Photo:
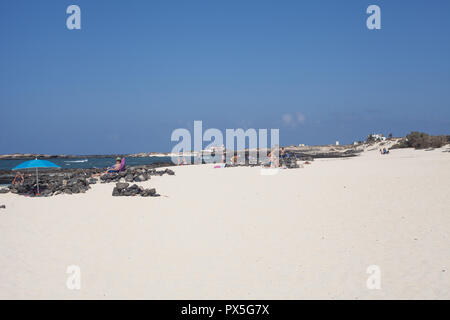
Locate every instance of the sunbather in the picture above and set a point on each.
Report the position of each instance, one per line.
(18, 179)
(115, 168)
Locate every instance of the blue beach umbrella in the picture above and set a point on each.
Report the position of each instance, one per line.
(36, 164)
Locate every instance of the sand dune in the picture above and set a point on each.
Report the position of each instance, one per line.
(234, 233)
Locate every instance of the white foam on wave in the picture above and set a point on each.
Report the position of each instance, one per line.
(77, 161)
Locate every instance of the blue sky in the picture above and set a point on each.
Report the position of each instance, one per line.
(139, 69)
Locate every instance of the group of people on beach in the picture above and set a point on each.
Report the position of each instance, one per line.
(272, 156)
(119, 166)
(275, 157)
(274, 160)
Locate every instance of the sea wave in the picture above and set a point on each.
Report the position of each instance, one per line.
(77, 161)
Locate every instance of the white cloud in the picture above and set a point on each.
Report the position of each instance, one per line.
(293, 119)
(300, 118)
(287, 119)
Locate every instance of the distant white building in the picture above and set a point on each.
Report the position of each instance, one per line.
(378, 137)
(217, 149)
(337, 143)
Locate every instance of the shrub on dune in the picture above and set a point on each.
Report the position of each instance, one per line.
(421, 140)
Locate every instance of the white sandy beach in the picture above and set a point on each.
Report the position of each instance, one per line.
(236, 234)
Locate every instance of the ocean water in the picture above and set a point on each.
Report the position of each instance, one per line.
(83, 163)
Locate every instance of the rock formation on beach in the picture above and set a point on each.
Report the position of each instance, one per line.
(308, 153)
(79, 181)
(134, 175)
(6, 176)
(123, 189)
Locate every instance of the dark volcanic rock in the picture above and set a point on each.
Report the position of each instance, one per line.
(134, 190)
(2, 206)
(115, 192)
(72, 181)
(120, 186)
(110, 177)
(148, 192)
(46, 193)
(170, 172)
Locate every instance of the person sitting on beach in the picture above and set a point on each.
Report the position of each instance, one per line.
(273, 156)
(18, 179)
(234, 159)
(283, 156)
(182, 162)
(115, 168)
(269, 157)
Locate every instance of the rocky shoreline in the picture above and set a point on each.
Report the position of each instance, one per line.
(301, 155)
(6, 176)
(328, 151)
(73, 181)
